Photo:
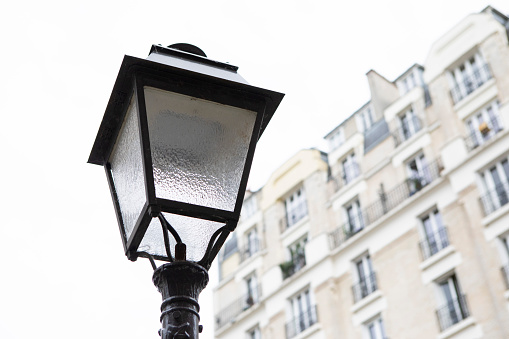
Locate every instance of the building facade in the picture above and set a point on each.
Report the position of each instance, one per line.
(402, 229)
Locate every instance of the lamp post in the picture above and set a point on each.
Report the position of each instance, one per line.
(177, 140)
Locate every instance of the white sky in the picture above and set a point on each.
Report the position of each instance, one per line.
(63, 271)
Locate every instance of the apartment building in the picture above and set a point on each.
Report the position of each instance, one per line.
(402, 229)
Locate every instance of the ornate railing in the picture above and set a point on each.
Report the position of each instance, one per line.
(495, 198)
(482, 136)
(292, 266)
(301, 322)
(390, 200)
(346, 175)
(405, 132)
(434, 243)
(229, 313)
(470, 83)
(250, 249)
(364, 287)
(453, 312)
(346, 231)
(298, 213)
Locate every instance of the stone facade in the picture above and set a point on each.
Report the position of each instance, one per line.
(402, 229)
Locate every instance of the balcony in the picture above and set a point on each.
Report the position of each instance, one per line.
(408, 129)
(251, 249)
(505, 275)
(364, 287)
(292, 217)
(232, 311)
(495, 199)
(434, 243)
(389, 200)
(292, 266)
(485, 133)
(346, 231)
(347, 175)
(470, 83)
(453, 312)
(301, 322)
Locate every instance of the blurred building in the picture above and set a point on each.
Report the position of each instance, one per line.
(402, 230)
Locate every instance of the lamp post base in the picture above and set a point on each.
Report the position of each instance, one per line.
(180, 284)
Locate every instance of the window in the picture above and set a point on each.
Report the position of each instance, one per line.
(337, 139)
(296, 207)
(366, 278)
(467, 77)
(303, 314)
(483, 125)
(375, 329)
(254, 333)
(495, 186)
(249, 207)
(252, 294)
(453, 306)
(406, 84)
(418, 174)
(252, 244)
(435, 234)
(409, 125)
(364, 119)
(297, 258)
(354, 220)
(350, 168)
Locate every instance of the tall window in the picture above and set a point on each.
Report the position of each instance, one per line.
(495, 182)
(303, 314)
(409, 124)
(435, 234)
(364, 119)
(354, 220)
(366, 278)
(376, 329)
(453, 306)
(296, 207)
(350, 168)
(254, 333)
(337, 138)
(406, 84)
(249, 207)
(418, 173)
(252, 291)
(505, 259)
(252, 245)
(483, 125)
(468, 76)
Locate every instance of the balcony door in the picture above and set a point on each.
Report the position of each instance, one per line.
(418, 173)
(496, 184)
(434, 232)
(365, 275)
(354, 220)
(301, 311)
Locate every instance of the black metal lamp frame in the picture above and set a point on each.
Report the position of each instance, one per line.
(179, 281)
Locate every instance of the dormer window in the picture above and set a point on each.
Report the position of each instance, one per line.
(467, 77)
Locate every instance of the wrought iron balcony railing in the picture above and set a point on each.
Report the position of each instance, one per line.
(301, 322)
(229, 313)
(408, 129)
(495, 198)
(347, 175)
(470, 83)
(389, 200)
(453, 312)
(364, 287)
(484, 134)
(292, 266)
(249, 250)
(434, 243)
(292, 217)
(505, 275)
(346, 231)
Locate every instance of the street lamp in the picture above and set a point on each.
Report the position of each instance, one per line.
(177, 140)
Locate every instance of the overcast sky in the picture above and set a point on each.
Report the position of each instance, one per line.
(63, 271)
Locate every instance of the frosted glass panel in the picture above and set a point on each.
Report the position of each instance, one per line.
(199, 148)
(195, 233)
(127, 169)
